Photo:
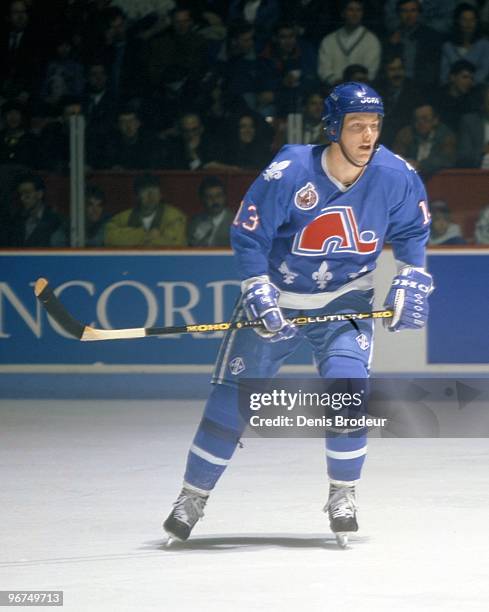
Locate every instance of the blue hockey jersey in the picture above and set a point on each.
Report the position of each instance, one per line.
(310, 234)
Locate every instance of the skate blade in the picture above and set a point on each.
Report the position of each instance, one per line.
(342, 539)
(172, 540)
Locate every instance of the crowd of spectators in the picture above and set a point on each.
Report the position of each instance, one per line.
(151, 222)
(209, 85)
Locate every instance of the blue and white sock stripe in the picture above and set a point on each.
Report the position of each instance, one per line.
(209, 457)
(342, 455)
(345, 464)
(201, 473)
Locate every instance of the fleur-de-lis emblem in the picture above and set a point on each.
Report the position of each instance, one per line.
(322, 276)
(289, 276)
(275, 170)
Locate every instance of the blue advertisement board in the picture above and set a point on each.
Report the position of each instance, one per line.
(114, 290)
(458, 330)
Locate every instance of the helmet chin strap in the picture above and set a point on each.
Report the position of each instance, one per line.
(351, 160)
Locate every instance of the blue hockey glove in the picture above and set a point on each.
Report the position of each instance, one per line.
(408, 297)
(260, 301)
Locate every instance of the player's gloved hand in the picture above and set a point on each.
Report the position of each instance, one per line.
(408, 297)
(260, 301)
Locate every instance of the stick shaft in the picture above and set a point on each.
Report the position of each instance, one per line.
(64, 319)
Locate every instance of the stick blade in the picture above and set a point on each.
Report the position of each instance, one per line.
(40, 285)
(56, 310)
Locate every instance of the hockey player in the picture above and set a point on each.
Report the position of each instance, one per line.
(306, 240)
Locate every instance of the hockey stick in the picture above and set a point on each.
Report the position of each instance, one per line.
(82, 332)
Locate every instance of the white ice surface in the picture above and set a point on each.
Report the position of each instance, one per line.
(85, 486)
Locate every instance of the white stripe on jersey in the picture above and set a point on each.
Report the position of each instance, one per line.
(306, 301)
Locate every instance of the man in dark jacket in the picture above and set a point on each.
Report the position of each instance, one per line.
(36, 224)
(21, 51)
(428, 145)
(458, 96)
(131, 147)
(17, 145)
(210, 228)
(400, 96)
(420, 45)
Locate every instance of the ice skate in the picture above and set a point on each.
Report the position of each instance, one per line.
(341, 508)
(187, 510)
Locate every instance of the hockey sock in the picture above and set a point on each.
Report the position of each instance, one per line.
(345, 453)
(216, 438)
(345, 456)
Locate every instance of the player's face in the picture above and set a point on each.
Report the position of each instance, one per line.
(359, 135)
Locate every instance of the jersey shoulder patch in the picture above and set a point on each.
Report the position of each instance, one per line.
(275, 170)
(289, 156)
